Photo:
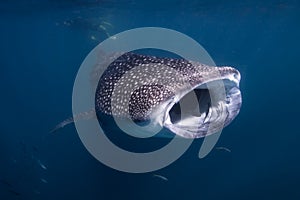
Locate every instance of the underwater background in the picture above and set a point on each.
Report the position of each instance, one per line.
(43, 44)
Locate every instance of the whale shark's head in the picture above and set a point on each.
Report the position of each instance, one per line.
(189, 98)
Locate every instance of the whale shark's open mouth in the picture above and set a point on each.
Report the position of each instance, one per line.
(204, 117)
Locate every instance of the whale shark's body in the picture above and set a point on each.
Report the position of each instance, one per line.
(183, 96)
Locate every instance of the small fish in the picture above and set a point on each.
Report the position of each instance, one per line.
(107, 34)
(102, 27)
(161, 177)
(44, 180)
(223, 148)
(93, 37)
(107, 23)
(42, 165)
(67, 23)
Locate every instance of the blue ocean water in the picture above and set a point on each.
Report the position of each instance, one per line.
(43, 44)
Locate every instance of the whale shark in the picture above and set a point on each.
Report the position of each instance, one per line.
(190, 99)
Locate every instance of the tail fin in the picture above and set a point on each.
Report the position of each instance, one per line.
(81, 116)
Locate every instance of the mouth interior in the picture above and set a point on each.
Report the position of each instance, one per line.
(196, 115)
(204, 103)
